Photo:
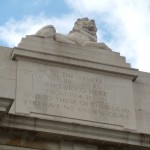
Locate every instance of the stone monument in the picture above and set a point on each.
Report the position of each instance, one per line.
(70, 92)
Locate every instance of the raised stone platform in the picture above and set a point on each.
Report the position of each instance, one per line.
(83, 90)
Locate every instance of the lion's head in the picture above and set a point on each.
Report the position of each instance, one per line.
(86, 26)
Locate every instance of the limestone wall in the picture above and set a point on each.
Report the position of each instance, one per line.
(141, 88)
(81, 110)
(57, 87)
(7, 74)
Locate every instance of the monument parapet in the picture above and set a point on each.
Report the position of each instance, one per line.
(76, 88)
(74, 77)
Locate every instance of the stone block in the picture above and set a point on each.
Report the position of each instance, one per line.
(74, 94)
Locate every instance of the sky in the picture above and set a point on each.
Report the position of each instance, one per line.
(123, 25)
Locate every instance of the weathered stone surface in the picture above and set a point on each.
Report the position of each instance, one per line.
(44, 134)
(75, 94)
(72, 51)
(142, 101)
(7, 79)
(71, 93)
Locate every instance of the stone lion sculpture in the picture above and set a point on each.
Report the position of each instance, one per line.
(82, 34)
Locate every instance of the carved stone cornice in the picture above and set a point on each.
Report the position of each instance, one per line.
(95, 59)
(73, 131)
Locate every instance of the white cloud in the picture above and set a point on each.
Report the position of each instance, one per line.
(123, 25)
(127, 21)
(14, 30)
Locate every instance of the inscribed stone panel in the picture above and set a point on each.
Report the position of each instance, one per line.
(75, 94)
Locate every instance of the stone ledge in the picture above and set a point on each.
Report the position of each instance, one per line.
(74, 131)
(48, 57)
(99, 55)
